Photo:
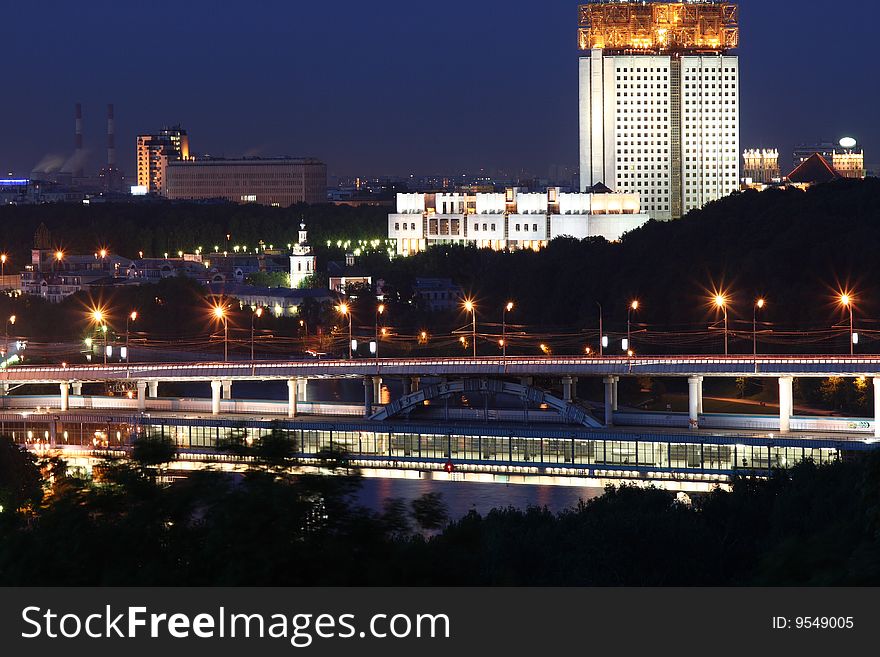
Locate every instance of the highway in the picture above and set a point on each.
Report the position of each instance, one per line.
(657, 366)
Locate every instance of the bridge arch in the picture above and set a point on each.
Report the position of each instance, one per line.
(568, 411)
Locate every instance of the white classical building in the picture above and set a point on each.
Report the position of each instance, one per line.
(512, 220)
(659, 102)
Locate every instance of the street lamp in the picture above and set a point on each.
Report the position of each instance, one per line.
(221, 315)
(345, 311)
(846, 300)
(634, 305)
(379, 310)
(759, 305)
(98, 317)
(257, 313)
(3, 259)
(507, 308)
(601, 337)
(133, 315)
(472, 309)
(9, 321)
(721, 302)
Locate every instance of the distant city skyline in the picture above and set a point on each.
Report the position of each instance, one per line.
(390, 88)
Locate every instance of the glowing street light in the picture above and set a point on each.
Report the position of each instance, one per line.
(257, 313)
(99, 318)
(721, 303)
(846, 300)
(507, 308)
(472, 309)
(133, 315)
(344, 310)
(220, 314)
(634, 305)
(3, 259)
(379, 310)
(9, 321)
(759, 305)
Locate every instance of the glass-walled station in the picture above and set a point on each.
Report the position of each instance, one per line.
(468, 447)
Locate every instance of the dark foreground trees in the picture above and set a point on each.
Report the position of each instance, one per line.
(808, 526)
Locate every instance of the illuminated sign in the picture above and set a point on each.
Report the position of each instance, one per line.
(138, 190)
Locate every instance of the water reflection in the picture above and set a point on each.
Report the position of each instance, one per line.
(461, 497)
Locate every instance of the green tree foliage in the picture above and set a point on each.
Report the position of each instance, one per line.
(21, 484)
(150, 450)
(268, 279)
(811, 525)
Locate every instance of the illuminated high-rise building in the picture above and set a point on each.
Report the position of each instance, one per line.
(155, 151)
(659, 101)
(761, 165)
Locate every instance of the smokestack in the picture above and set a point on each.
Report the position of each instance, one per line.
(78, 126)
(111, 138)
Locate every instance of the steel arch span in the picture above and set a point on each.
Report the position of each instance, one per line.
(568, 411)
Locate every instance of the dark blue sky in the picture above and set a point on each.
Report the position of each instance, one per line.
(390, 86)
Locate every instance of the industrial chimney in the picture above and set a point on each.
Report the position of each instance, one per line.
(78, 154)
(111, 138)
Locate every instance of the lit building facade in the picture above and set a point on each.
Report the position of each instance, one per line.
(510, 220)
(279, 182)
(154, 152)
(846, 157)
(302, 260)
(659, 102)
(761, 165)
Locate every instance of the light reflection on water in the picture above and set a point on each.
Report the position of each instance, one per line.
(461, 497)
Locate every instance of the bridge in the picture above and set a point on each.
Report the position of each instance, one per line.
(513, 375)
(679, 459)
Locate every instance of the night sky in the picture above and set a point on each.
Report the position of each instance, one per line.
(390, 87)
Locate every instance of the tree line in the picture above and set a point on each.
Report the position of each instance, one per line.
(130, 525)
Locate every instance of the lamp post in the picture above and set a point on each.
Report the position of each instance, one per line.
(846, 301)
(721, 302)
(257, 313)
(344, 310)
(98, 317)
(133, 315)
(220, 315)
(507, 308)
(9, 321)
(601, 346)
(472, 309)
(3, 259)
(379, 310)
(759, 305)
(634, 305)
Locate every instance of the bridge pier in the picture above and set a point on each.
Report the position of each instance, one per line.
(377, 389)
(368, 396)
(786, 403)
(694, 385)
(566, 388)
(65, 397)
(77, 388)
(227, 388)
(406, 386)
(153, 389)
(614, 392)
(302, 388)
(700, 397)
(292, 392)
(142, 395)
(609, 400)
(877, 407)
(215, 397)
(4, 389)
